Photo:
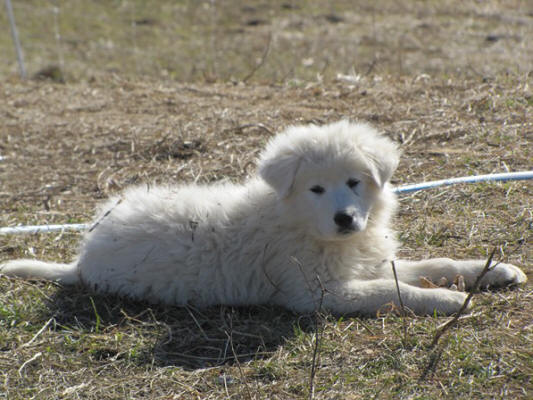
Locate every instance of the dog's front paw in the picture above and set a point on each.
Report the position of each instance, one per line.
(442, 301)
(504, 275)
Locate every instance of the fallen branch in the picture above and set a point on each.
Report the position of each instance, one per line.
(473, 290)
(437, 352)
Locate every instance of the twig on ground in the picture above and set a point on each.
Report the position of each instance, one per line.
(364, 325)
(397, 285)
(38, 333)
(434, 358)
(437, 352)
(404, 313)
(197, 323)
(473, 290)
(246, 126)
(27, 362)
(236, 357)
(318, 335)
(161, 324)
(261, 62)
(96, 315)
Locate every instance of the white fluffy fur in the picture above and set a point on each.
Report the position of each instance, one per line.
(273, 240)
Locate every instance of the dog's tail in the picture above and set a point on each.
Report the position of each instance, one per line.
(63, 273)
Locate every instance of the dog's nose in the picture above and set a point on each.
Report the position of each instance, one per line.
(343, 220)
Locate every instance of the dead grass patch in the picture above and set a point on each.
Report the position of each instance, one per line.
(59, 163)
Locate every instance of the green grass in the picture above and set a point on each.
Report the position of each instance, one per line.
(207, 41)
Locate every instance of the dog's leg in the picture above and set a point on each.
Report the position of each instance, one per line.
(367, 297)
(436, 268)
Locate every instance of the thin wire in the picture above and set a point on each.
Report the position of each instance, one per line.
(15, 36)
(507, 176)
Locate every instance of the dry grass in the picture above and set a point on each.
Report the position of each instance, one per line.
(66, 147)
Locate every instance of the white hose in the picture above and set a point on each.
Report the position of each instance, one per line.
(42, 228)
(508, 176)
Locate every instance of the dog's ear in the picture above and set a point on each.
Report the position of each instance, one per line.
(383, 157)
(382, 168)
(278, 169)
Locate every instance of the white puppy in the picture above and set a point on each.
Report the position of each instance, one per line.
(312, 229)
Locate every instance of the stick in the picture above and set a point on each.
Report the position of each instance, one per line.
(436, 353)
(35, 357)
(318, 335)
(401, 302)
(38, 333)
(261, 62)
(473, 290)
(236, 357)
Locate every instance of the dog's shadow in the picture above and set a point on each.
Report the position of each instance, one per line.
(170, 335)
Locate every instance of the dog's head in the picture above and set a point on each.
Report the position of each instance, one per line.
(331, 176)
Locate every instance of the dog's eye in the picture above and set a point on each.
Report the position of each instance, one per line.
(317, 189)
(352, 183)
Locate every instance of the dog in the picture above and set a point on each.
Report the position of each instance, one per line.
(311, 230)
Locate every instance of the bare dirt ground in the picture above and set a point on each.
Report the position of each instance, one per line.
(454, 91)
